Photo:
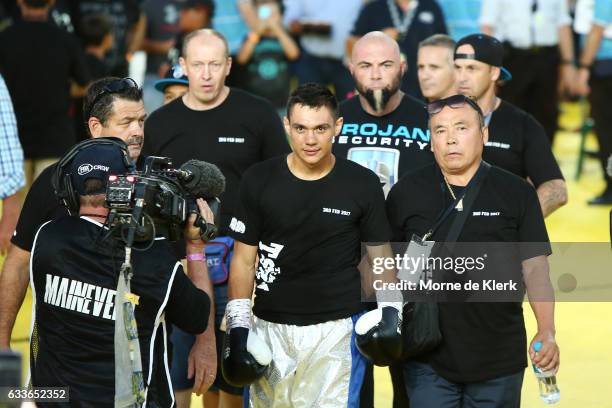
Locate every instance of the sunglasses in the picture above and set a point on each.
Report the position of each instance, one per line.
(115, 87)
(453, 102)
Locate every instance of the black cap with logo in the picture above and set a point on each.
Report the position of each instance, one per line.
(97, 162)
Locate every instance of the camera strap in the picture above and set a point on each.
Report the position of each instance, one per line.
(129, 378)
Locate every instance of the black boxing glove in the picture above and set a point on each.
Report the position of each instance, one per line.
(245, 356)
(379, 334)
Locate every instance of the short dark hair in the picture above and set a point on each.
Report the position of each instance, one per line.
(93, 185)
(314, 96)
(103, 107)
(90, 198)
(94, 28)
(37, 4)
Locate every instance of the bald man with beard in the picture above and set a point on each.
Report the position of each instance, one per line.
(384, 130)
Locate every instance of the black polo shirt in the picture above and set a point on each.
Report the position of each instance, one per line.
(518, 143)
(40, 205)
(481, 341)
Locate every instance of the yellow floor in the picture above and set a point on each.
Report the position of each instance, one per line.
(584, 330)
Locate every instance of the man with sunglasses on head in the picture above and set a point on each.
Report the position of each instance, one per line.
(481, 358)
(517, 142)
(113, 107)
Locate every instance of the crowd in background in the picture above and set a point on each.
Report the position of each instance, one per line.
(274, 45)
(51, 51)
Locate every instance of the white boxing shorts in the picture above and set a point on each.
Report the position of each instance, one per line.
(312, 366)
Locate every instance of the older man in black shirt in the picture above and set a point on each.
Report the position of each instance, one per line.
(482, 354)
(113, 107)
(231, 129)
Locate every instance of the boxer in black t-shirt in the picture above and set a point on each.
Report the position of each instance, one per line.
(303, 217)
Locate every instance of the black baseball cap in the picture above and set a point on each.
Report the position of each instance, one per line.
(487, 49)
(97, 162)
(174, 76)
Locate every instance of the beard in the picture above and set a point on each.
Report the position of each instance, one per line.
(379, 98)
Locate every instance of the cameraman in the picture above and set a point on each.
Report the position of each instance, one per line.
(112, 107)
(75, 270)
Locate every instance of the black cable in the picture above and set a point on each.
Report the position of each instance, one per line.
(152, 235)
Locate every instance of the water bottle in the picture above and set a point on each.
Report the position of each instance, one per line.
(547, 381)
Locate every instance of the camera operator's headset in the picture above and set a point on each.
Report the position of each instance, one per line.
(62, 178)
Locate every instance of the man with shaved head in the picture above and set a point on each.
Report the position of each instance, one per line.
(233, 130)
(406, 21)
(384, 130)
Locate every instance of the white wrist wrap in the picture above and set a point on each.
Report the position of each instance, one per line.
(238, 313)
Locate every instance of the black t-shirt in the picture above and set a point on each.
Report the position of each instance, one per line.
(428, 20)
(42, 101)
(389, 145)
(518, 143)
(40, 206)
(481, 341)
(308, 234)
(267, 73)
(60, 16)
(74, 278)
(243, 130)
